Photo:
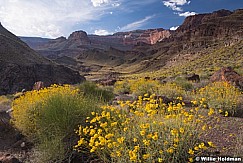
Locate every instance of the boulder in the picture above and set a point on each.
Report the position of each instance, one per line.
(165, 99)
(193, 77)
(125, 97)
(147, 78)
(4, 121)
(38, 85)
(8, 158)
(229, 75)
(108, 82)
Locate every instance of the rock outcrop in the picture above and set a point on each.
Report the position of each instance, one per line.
(229, 75)
(79, 37)
(21, 67)
(150, 36)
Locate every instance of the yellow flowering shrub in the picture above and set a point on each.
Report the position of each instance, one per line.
(27, 108)
(49, 116)
(122, 86)
(146, 130)
(143, 86)
(137, 87)
(171, 90)
(219, 95)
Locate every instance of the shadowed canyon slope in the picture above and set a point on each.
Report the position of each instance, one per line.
(21, 67)
(146, 50)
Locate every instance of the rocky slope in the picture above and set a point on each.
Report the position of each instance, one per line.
(21, 67)
(204, 30)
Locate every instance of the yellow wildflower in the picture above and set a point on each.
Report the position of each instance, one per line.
(146, 156)
(191, 152)
(160, 160)
(226, 114)
(211, 144)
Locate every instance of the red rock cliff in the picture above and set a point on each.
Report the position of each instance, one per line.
(80, 37)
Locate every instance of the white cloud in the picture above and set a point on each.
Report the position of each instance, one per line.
(174, 28)
(101, 32)
(97, 3)
(48, 18)
(136, 24)
(186, 14)
(116, 4)
(173, 4)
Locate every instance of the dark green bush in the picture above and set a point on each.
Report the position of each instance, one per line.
(183, 83)
(91, 90)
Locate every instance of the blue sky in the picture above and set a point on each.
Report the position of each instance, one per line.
(54, 18)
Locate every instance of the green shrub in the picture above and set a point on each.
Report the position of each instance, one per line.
(171, 90)
(91, 90)
(183, 83)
